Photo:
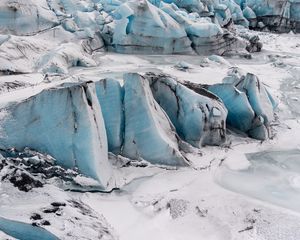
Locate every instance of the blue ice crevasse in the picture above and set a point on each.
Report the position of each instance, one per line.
(111, 95)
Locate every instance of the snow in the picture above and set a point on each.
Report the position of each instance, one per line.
(60, 59)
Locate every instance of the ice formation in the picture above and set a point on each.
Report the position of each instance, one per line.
(65, 56)
(199, 117)
(250, 105)
(280, 15)
(149, 134)
(206, 36)
(111, 96)
(148, 26)
(24, 17)
(140, 27)
(66, 122)
(94, 118)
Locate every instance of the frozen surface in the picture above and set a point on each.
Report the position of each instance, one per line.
(24, 17)
(140, 27)
(25, 231)
(65, 56)
(273, 176)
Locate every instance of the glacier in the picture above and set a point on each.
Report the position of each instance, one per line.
(59, 60)
(150, 27)
(147, 118)
(162, 141)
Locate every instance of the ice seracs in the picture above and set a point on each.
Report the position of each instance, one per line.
(66, 122)
(140, 27)
(249, 103)
(279, 16)
(59, 60)
(149, 134)
(26, 17)
(207, 37)
(199, 117)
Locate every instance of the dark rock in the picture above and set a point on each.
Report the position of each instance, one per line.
(36, 216)
(51, 210)
(45, 223)
(24, 181)
(58, 204)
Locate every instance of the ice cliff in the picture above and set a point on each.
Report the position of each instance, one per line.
(66, 122)
(140, 27)
(250, 105)
(199, 117)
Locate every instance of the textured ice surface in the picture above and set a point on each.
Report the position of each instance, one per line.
(250, 106)
(149, 133)
(65, 122)
(25, 17)
(140, 27)
(60, 59)
(207, 37)
(280, 15)
(199, 118)
(111, 95)
(273, 176)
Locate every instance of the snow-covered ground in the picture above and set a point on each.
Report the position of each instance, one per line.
(245, 190)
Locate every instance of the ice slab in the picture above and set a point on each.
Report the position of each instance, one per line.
(64, 121)
(149, 133)
(199, 117)
(250, 105)
(140, 27)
